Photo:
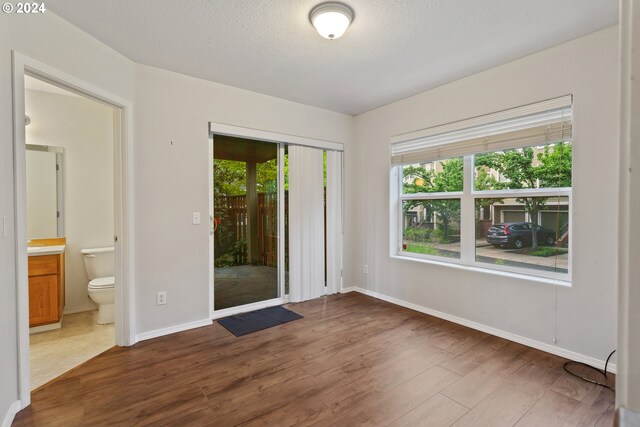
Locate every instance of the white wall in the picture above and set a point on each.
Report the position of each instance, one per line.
(588, 69)
(172, 180)
(84, 128)
(628, 378)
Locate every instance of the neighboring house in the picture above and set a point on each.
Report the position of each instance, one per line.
(554, 216)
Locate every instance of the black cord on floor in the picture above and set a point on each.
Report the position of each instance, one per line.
(592, 381)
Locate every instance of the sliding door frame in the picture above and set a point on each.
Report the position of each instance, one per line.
(282, 140)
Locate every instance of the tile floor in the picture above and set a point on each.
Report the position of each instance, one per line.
(53, 353)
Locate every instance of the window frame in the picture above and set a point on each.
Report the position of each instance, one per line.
(468, 197)
(449, 195)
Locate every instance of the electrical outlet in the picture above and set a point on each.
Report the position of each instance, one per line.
(366, 269)
(161, 298)
(196, 218)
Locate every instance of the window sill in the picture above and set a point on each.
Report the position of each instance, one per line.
(495, 272)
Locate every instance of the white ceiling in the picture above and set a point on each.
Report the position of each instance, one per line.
(393, 49)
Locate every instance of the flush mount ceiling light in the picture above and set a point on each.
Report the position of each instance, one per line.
(331, 19)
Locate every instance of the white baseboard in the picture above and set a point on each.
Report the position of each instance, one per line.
(44, 328)
(549, 348)
(72, 310)
(172, 329)
(14, 408)
(347, 289)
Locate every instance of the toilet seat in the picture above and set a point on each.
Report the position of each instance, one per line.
(102, 283)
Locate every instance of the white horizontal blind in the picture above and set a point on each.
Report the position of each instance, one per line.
(536, 124)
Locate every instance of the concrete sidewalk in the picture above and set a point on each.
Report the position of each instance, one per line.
(490, 254)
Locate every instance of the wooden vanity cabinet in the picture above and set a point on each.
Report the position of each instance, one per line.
(46, 289)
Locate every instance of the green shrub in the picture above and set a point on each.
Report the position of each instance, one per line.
(547, 251)
(226, 260)
(417, 234)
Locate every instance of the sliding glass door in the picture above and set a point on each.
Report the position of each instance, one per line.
(266, 197)
(247, 193)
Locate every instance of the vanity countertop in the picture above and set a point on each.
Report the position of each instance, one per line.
(45, 250)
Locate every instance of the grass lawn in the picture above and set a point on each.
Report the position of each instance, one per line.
(427, 249)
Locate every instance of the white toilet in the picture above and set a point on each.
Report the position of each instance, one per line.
(100, 265)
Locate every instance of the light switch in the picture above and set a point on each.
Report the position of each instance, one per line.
(196, 218)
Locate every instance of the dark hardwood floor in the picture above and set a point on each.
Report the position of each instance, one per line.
(353, 360)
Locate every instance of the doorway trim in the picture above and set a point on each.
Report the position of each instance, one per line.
(267, 136)
(123, 205)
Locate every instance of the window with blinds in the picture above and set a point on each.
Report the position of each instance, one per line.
(493, 191)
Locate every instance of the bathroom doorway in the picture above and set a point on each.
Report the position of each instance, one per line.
(46, 306)
(70, 211)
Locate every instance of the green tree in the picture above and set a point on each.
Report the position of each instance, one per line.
(267, 175)
(229, 178)
(419, 180)
(483, 181)
(554, 169)
(450, 178)
(550, 168)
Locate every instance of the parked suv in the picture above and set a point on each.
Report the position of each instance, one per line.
(518, 235)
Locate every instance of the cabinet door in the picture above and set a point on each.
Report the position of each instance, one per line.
(43, 299)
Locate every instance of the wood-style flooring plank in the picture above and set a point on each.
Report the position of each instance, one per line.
(466, 361)
(597, 409)
(480, 382)
(502, 408)
(552, 409)
(437, 411)
(572, 387)
(351, 361)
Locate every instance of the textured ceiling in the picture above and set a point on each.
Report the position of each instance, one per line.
(393, 49)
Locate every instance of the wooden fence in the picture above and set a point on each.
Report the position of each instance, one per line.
(232, 210)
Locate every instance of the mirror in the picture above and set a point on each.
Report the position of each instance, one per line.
(45, 202)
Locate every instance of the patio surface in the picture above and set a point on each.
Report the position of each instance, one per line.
(244, 284)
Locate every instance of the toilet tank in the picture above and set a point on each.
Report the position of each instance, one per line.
(99, 262)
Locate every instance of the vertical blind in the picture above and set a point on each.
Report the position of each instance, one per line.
(334, 221)
(306, 223)
(535, 124)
